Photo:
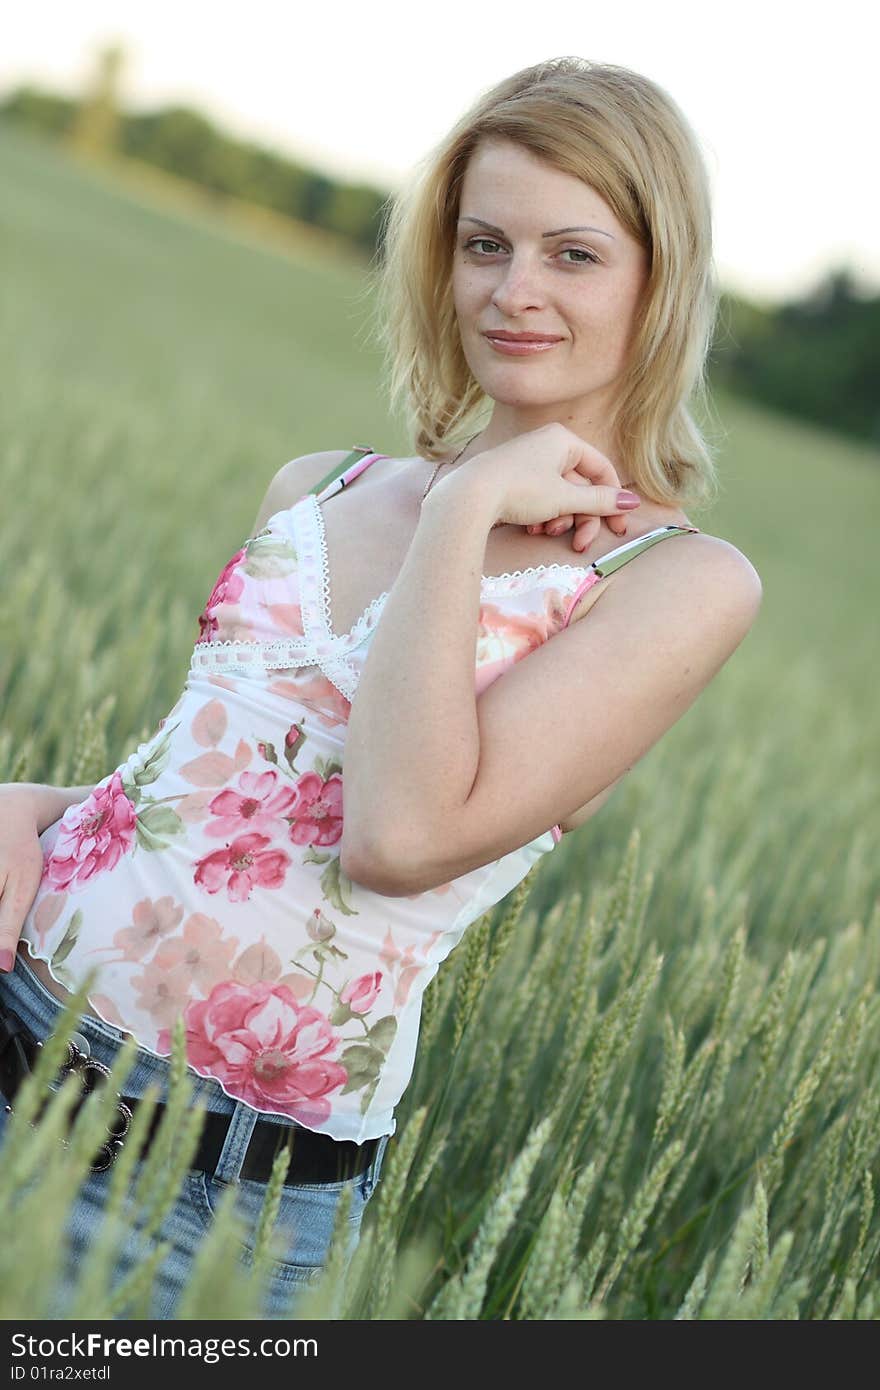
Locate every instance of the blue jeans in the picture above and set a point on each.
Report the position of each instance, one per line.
(306, 1215)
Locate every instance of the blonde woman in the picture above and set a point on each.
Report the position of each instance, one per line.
(285, 865)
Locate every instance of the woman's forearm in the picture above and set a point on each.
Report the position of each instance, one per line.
(51, 802)
(412, 747)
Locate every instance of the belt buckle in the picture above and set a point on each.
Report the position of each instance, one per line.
(89, 1070)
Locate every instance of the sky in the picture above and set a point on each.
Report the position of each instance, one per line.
(780, 95)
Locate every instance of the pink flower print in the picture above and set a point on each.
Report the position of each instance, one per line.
(201, 952)
(317, 815)
(286, 618)
(293, 741)
(93, 837)
(556, 602)
(407, 966)
(241, 866)
(319, 927)
(264, 1048)
(162, 994)
(259, 806)
(503, 638)
(46, 914)
(228, 589)
(361, 994)
(317, 693)
(405, 981)
(300, 986)
(390, 952)
(257, 962)
(152, 921)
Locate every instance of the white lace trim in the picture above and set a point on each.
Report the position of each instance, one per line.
(314, 595)
(490, 580)
(322, 565)
(250, 656)
(321, 646)
(511, 581)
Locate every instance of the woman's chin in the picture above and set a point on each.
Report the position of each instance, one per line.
(512, 394)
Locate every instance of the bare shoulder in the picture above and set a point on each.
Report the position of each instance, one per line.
(293, 480)
(299, 474)
(699, 589)
(724, 573)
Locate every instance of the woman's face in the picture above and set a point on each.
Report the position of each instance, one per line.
(538, 251)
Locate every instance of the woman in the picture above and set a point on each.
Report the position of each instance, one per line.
(552, 258)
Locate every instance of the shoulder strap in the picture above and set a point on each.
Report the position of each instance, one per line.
(622, 554)
(357, 453)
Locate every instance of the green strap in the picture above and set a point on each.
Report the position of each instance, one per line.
(357, 452)
(625, 553)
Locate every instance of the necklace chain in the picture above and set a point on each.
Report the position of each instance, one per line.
(451, 462)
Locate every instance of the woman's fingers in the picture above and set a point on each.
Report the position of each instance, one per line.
(586, 533)
(562, 524)
(594, 466)
(606, 501)
(589, 467)
(615, 524)
(15, 902)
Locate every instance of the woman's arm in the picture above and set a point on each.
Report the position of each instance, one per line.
(412, 745)
(437, 781)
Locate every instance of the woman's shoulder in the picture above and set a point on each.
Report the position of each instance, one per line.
(713, 553)
(294, 479)
(702, 583)
(720, 560)
(696, 583)
(300, 474)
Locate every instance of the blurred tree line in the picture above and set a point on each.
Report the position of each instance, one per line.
(814, 357)
(183, 142)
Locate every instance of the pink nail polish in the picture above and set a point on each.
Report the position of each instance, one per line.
(7, 961)
(625, 500)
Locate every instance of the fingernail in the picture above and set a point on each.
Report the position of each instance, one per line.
(628, 499)
(7, 961)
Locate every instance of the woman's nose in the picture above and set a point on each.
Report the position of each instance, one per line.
(517, 289)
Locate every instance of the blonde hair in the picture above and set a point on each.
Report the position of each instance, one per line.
(624, 136)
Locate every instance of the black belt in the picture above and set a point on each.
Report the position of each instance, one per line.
(315, 1158)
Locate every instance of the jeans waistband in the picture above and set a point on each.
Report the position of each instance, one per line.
(26, 994)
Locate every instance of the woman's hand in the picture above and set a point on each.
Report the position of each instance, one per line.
(21, 864)
(551, 475)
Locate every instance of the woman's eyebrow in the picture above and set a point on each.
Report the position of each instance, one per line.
(560, 231)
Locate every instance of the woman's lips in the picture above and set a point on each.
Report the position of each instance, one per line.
(523, 348)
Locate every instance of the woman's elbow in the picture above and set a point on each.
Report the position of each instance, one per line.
(381, 873)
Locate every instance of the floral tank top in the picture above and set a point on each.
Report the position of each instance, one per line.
(202, 876)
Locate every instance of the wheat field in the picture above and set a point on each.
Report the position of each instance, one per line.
(646, 1085)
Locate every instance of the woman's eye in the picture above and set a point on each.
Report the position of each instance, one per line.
(580, 253)
(481, 241)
